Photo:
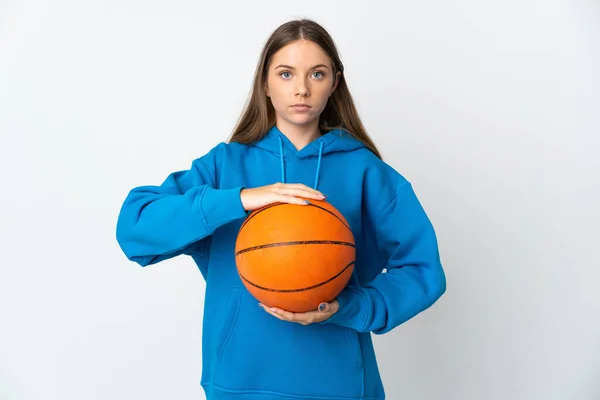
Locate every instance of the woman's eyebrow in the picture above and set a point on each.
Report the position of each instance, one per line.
(290, 67)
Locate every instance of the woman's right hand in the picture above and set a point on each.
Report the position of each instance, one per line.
(255, 198)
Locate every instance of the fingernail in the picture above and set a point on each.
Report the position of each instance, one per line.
(307, 202)
(274, 310)
(322, 306)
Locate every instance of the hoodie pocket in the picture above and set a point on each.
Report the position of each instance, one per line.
(231, 317)
(261, 353)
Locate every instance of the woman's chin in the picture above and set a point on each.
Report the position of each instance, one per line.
(300, 120)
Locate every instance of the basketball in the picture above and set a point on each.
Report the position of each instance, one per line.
(294, 257)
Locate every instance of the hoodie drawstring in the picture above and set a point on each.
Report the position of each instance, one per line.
(281, 158)
(321, 142)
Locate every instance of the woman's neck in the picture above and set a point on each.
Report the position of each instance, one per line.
(300, 136)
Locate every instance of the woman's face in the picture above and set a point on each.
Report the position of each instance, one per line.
(300, 73)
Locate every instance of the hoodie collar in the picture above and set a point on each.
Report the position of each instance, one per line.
(330, 142)
(279, 145)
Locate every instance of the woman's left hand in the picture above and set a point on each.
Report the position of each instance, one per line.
(325, 311)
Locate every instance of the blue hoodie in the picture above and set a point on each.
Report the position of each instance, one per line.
(246, 353)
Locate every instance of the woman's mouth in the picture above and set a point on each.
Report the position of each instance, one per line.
(300, 107)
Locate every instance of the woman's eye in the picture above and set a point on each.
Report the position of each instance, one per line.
(288, 75)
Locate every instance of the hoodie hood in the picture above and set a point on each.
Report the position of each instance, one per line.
(336, 140)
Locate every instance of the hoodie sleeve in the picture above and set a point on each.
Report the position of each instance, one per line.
(160, 222)
(414, 278)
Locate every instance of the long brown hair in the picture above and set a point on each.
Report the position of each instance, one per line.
(340, 112)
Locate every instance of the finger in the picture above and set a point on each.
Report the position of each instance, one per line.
(300, 186)
(304, 318)
(269, 311)
(287, 191)
(287, 315)
(291, 200)
(311, 194)
(299, 318)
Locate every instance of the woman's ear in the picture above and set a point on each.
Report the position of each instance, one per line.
(266, 89)
(335, 84)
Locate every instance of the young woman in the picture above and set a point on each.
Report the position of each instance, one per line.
(299, 136)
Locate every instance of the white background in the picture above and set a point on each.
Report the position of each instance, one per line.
(489, 108)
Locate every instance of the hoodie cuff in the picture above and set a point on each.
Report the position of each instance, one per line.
(220, 206)
(353, 309)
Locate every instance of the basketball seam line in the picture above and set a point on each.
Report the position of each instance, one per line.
(282, 204)
(326, 210)
(297, 290)
(258, 212)
(293, 243)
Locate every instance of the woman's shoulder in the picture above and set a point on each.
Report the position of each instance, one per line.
(382, 181)
(223, 148)
(377, 169)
